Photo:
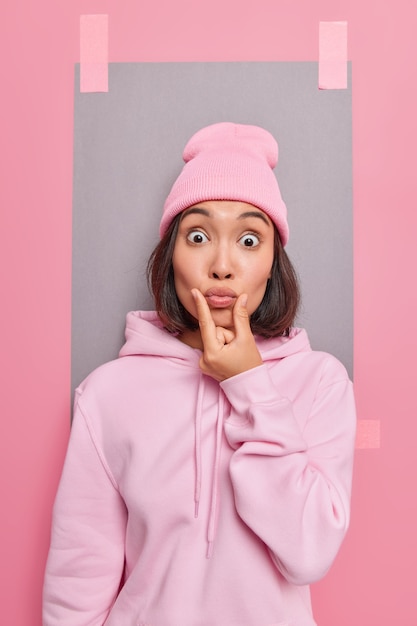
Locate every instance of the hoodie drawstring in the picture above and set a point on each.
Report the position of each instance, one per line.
(211, 533)
(211, 528)
(197, 447)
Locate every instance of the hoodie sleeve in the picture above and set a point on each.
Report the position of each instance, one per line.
(292, 474)
(86, 557)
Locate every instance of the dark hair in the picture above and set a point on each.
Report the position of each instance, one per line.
(274, 316)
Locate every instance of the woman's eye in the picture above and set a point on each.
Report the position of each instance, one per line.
(196, 236)
(249, 241)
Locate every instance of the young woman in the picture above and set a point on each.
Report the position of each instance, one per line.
(208, 474)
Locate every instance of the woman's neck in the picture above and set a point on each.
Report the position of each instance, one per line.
(191, 338)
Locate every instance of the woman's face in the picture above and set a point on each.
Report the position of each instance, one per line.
(224, 248)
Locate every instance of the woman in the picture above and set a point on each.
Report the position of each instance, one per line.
(207, 479)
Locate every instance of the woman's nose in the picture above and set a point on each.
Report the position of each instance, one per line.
(221, 266)
(221, 276)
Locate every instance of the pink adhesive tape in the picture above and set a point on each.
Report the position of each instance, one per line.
(368, 434)
(333, 55)
(94, 53)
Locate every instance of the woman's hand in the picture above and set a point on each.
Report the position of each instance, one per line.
(226, 352)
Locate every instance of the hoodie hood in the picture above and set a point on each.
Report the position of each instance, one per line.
(146, 335)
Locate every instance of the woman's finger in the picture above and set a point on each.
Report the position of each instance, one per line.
(241, 319)
(207, 325)
(224, 335)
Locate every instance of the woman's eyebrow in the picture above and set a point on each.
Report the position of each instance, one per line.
(261, 216)
(193, 210)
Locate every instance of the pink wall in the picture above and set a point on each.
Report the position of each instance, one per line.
(372, 583)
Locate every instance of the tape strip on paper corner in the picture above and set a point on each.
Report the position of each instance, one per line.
(94, 52)
(333, 55)
(368, 434)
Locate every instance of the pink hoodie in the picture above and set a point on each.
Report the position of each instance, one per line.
(185, 502)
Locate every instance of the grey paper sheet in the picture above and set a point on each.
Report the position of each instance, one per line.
(127, 153)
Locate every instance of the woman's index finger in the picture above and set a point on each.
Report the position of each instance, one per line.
(207, 325)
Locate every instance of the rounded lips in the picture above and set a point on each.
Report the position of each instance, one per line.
(220, 297)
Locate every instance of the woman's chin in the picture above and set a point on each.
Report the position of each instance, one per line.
(222, 317)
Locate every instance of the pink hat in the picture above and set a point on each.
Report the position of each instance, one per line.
(229, 161)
